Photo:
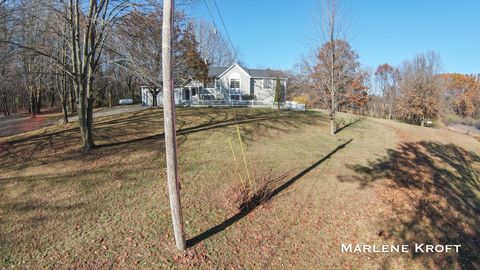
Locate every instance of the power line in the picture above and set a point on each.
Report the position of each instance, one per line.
(226, 31)
(211, 16)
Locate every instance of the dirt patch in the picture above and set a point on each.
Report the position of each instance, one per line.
(403, 135)
(193, 257)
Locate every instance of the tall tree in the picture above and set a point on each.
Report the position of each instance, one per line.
(334, 74)
(463, 93)
(188, 61)
(213, 47)
(420, 88)
(7, 59)
(335, 59)
(357, 95)
(137, 39)
(279, 93)
(87, 43)
(386, 79)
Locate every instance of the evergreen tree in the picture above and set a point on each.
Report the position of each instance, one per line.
(188, 61)
(279, 93)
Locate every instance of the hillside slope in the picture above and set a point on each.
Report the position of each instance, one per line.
(375, 182)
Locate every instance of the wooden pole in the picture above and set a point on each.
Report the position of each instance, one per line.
(169, 119)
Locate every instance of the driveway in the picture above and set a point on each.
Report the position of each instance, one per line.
(18, 124)
(470, 130)
(112, 111)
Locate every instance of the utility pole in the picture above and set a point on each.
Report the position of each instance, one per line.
(170, 129)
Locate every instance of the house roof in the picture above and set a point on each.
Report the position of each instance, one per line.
(265, 73)
(216, 71)
(255, 73)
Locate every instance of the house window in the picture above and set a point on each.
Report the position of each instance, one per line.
(234, 97)
(234, 83)
(267, 84)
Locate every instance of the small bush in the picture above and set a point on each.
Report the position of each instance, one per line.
(248, 97)
(451, 119)
(301, 99)
(243, 197)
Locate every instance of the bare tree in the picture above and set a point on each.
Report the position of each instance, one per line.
(137, 41)
(213, 47)
(88, 29)
(34, 36)
(7, 58)
(386, 79)
(335, 73)
(335, 58)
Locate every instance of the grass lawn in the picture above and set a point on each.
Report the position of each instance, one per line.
(375, 182)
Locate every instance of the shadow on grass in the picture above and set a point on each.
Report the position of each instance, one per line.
(349, 124)
(434, 192)
(133, 130)
(232, 220)
(188, 130)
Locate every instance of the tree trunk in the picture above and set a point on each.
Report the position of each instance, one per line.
(110, 97)
(38, 99)
(5, 106)
(32, 110)
(332, 124)
(332, 82)
(52, 98)
(154, 94)
(89, 140)
(332, 116)
(65, 111)
(130, 88)
(14, 106)
(85, 114)
(72, 100)
(390, 109)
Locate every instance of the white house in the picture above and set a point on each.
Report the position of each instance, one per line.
(234, 84)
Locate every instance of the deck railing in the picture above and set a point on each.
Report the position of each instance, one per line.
(241, 103)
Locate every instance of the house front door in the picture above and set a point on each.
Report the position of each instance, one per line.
(186, 94)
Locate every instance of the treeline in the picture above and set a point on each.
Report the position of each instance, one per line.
(75, 55)
(415, 91)
(53, 51)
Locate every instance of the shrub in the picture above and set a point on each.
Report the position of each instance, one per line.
(300, 99)
(451, 119)
(248, 97)
(240, 197)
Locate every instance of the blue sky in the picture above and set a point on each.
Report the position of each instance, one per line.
(276, 33)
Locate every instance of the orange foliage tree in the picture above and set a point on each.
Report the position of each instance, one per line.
(463, 93)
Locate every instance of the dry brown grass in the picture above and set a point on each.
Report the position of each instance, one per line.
(63, 209)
